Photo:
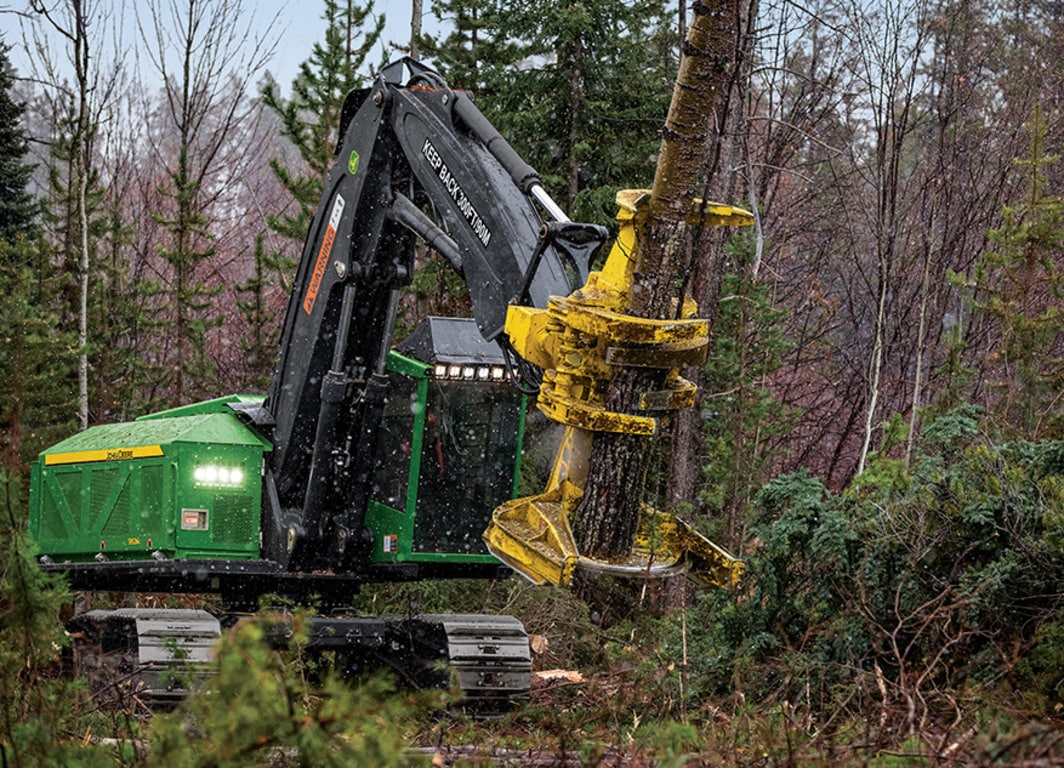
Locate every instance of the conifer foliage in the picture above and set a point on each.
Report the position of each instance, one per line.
(311, 116)
(557, 79)
(273, 714)
(36, 403)
(1019, 284)
(36, 709)
(37, 396)
(18, 209)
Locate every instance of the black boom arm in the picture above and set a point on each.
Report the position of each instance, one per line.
(415, 160)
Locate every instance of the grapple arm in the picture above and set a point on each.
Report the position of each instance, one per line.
(578, 340)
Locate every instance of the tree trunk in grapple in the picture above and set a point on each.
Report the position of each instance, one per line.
(608, 514)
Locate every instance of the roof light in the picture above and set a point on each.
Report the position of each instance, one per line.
(471, 372)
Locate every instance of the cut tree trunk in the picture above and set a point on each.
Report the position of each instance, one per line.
(688, 440)
(608, 515)
(415, 28)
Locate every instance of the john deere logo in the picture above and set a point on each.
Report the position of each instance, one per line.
(352, 162)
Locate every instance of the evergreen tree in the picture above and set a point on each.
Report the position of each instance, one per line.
(608, 511)
(191, 244)
(558, 78)
(1019, 285)
(310, 118)
(60, 214)
(206, 56)
(116, 311)
(474, 49)
(38, 709)
(111, 312)
(744, 416)
(37, 398)
(18, 209)
(260, 346)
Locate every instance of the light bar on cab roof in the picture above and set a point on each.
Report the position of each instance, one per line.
(470, 372)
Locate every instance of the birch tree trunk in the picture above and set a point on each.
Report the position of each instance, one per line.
(81, 164)
(71, 21)
(608, 514)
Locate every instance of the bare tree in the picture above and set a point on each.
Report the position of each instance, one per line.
(891, 40)
(208, 59)
(84, 26)
(963, 94)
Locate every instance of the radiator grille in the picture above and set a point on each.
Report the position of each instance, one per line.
(233, 519)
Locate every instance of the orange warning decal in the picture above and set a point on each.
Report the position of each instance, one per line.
(323, 256)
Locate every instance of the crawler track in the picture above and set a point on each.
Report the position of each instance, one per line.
(155, 655)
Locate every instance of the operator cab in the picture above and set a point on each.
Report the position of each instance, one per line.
(449, 448)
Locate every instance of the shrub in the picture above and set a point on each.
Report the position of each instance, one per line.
(919, 582)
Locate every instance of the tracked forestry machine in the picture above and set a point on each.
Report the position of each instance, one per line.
(368, 462)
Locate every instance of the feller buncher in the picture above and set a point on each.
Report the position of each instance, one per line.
(372, 462)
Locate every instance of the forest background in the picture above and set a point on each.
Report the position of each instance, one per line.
(878, 425)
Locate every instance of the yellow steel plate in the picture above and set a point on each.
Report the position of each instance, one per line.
(105, 454)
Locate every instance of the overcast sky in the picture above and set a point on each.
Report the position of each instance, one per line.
(298, 26)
